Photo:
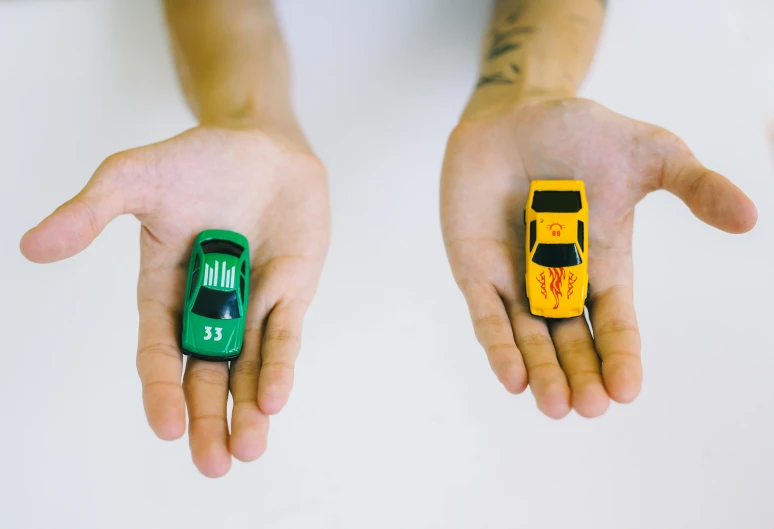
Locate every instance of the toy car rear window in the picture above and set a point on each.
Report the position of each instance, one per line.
(557, 255)
(222, 247)
(216, 304)
(556, 201)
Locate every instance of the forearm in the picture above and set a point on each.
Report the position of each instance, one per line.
(232, 62)
(536, 48)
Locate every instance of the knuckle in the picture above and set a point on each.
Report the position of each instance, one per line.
(584, 377)
(534, 341)
(501, 349)
(283, 365)
(574, 350)
(616, 327)
(161, 384)
(196, 418)
(608, 294)
(544, 370)
(94, 225)
(471, 287)
(694, 187)
(157, 351)
(490, 321)
(281, 336)
(622, 358)
(246, 368)
(205, 376)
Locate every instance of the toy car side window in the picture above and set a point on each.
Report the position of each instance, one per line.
(581, 228)
(197, 262)
(242, 288)
(244, 267)
(532, 234)
(194, 281)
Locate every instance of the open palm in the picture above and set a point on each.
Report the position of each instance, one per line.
(263, 186)
(485, 182)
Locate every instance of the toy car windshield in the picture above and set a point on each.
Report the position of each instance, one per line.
(222, 247)
(216, 304)
(557, 202)
(557, 255)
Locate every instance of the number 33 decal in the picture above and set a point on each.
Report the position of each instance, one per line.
(208, 333)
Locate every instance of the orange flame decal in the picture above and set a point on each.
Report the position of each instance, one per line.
(570, 282)
(556, 278)
(542, 280)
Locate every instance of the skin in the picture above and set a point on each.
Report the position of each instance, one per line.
(528, 124)
(246, 168)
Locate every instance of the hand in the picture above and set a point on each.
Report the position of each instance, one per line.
(264, 186)
(489, 163)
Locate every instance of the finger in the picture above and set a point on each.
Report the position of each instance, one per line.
(709, 195)
(113, 190)
(206, 392)
(546, 378)
(495, 334)
(279, 350)
(577, 356)
(617, 340)
(249, 425)
(160, 366)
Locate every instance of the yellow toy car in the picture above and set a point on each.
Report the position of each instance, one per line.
(557, 277)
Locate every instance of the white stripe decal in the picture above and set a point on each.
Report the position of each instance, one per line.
(206, 274)
(215, 277)
(209, 277)
(228, 277)
(233, 273)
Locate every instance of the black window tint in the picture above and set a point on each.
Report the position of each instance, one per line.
(244, 267)
(223, 247)
(557, 255)
(556, 201)
(242, 288)
(197, 262)
(532, 234)
(581, 234)
(194, 280)
(216, 304)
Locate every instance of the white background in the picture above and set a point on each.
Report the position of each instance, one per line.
(396, 420)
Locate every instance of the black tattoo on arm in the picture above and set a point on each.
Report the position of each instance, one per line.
(506, 40)
(495, 78)
(496, 51)
(502, 41)
(499, 77)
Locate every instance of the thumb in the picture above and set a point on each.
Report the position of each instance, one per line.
(709, 195)
(114, 189)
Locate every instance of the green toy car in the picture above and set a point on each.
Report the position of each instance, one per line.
(216, 296)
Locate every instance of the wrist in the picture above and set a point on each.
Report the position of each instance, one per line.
(483, 105)
(252, 113)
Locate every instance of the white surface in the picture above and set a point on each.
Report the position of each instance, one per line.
(396, 420)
